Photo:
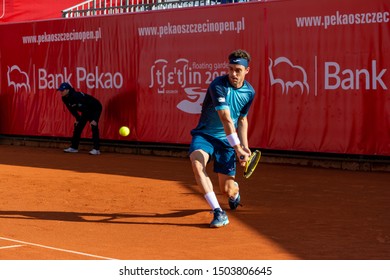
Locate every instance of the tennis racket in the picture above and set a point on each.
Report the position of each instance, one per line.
(251, 164)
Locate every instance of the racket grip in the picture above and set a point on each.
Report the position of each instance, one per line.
(242, 157)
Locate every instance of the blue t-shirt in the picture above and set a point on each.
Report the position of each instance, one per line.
(221, 95)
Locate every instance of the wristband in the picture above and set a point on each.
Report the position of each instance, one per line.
(233, 139)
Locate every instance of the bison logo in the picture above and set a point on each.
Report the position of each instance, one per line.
(283, 72)
(18, 79)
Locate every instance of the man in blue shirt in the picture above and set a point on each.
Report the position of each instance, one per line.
(222, 134)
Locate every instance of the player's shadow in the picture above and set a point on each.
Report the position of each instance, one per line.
(110, 218)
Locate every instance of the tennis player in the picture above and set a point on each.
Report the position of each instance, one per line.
(222, 134)
(85, 108)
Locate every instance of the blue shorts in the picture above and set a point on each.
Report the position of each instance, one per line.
(220, 151)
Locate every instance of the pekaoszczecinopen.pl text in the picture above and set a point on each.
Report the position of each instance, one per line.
(339, 18)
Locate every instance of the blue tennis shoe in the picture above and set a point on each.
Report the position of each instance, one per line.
(220, 218)
(233, 203)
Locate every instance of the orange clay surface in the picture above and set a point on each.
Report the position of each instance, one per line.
(130, 207)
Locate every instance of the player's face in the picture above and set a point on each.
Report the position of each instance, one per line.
(237, 74)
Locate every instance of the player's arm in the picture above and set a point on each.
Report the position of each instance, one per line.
(231, 132)
(242, 131)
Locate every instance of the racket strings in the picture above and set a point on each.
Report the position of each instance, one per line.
(253, 161)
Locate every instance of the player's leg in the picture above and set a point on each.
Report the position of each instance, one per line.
(199, 159)
(225, 166)
(229, 186)
(200, 151)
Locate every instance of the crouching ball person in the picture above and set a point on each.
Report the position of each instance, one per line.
(85, 108)
(222, 134)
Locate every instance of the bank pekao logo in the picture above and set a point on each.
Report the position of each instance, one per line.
(40, 79)
(292, 76)
(18, 79)
(194, 105)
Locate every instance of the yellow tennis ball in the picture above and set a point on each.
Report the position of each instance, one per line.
(124, 131)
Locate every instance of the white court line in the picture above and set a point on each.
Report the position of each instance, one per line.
(56, 249)
(12, 246)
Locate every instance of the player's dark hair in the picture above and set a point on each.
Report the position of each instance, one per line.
(240, 54)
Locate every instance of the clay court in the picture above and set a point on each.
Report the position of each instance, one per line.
(61, 206)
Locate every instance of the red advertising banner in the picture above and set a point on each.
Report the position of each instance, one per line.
(320, 70)
(38, 57)
(178, 60)
(328, 84)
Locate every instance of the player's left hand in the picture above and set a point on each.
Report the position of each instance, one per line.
(243, 155)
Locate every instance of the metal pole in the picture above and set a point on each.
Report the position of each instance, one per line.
(94, 7)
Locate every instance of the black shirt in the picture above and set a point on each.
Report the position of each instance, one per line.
(86, 104)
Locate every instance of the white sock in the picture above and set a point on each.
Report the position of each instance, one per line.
(211, 199)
